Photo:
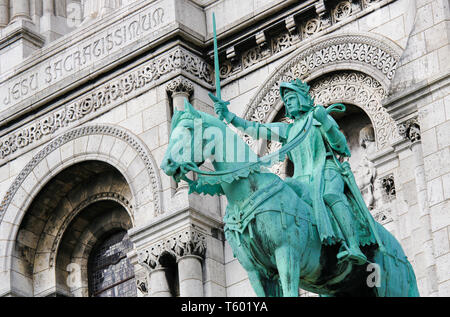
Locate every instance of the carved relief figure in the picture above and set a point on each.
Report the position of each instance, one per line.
(365, 173)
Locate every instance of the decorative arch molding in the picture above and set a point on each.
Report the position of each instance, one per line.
(373, 55)
(15, 195)
(360, 90)
(112, 196)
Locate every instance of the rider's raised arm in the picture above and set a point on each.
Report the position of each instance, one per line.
(336, 138)
(275, 131)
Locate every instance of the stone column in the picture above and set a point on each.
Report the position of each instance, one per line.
(179, 90)
(48, 7)
(190, 275)
(191, 252)
(411, 131)
(20, 10)
(4, 13)
(158, 285)
(188, 247)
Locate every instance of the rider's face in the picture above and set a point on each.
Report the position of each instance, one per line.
(293, 104)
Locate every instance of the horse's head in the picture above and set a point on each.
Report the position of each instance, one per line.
(194, 138)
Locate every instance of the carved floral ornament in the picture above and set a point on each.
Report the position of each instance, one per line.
(410, 130)
(186, 242)
(180, 85)
(105, 97)
(358, 51)
(267, 46)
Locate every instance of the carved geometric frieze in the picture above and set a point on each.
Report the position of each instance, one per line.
(382, 215)
(183, 243)
(314, 26)
(142, 283)
(105, 97)
(294, 32)
(343, 10)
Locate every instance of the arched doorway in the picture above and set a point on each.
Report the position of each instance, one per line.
(80, 208)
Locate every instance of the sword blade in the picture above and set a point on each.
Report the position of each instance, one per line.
(216, 59)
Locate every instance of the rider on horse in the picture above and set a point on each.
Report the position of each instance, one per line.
(318, 175)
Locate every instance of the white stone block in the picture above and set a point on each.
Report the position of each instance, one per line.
(94, 143)
(446, 186)
(234, 272)
(443, 267)
(441, 242)
(440, 216)
(118, 149)
(435, 191)
(151, 138)
(155, 115)
(66, 151)
(241, 289)
(429, 142)
(134, 124)
(443, 135)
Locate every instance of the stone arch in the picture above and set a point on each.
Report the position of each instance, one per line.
(109, 144)
(375, 56)
(87, 142)
(361, 90)
(93, 233)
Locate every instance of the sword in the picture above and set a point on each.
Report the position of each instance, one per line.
(216, 64)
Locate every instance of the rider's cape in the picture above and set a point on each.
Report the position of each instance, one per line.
(327, 226)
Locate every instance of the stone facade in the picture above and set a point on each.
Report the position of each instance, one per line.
(88, 89)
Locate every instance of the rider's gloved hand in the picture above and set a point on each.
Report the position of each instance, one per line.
(221, 109)
(321, 115)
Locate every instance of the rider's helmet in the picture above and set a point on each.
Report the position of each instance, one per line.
(300, 89)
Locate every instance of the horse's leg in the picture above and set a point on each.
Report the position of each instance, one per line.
(256, 281)
(272, 288)
(288, 265)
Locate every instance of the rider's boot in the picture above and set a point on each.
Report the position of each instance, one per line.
(346, 223)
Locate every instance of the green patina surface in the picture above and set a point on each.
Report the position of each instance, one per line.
(312, 230)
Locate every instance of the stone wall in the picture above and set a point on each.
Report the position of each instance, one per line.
(86, 96)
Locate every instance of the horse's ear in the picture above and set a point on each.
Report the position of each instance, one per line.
(190, 108)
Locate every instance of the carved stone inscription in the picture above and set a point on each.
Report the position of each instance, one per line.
(104, 97)
(87, 52)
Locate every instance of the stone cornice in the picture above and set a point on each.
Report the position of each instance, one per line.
(22, 33)
(120, 133)
(103, 98)
(402, 106)
(164, 224)
(91, 52)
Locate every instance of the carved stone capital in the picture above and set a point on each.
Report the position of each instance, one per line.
(410, 130)
(186, 242)
(180, 85)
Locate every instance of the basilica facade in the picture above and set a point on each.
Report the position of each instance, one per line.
(88, 90)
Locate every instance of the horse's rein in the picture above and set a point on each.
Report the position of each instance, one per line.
(286, 148)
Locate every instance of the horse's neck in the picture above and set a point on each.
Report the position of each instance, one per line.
(237, 154)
